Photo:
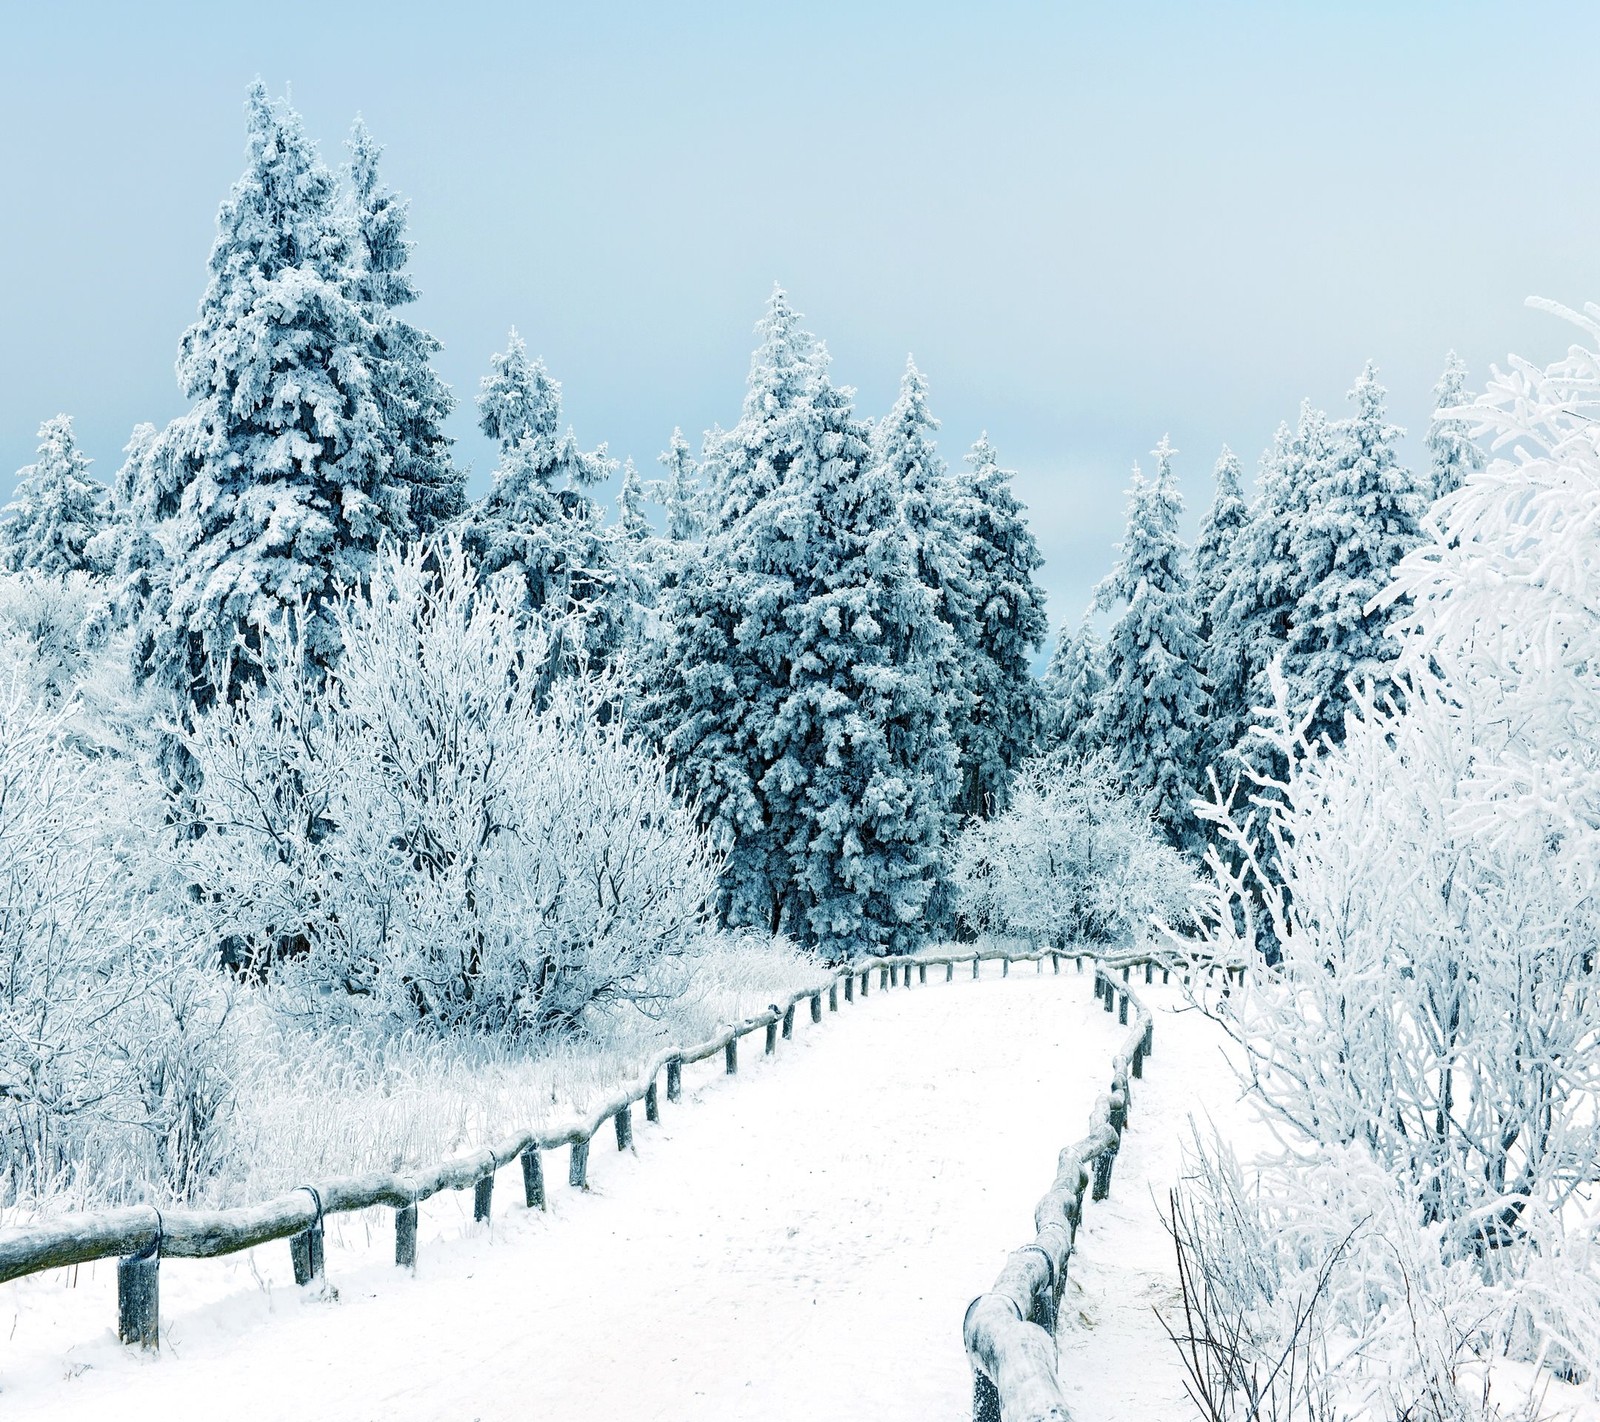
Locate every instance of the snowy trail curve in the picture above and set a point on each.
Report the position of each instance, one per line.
(798, 1243)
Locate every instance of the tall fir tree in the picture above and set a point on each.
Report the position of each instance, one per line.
(278, 480)
(57, 510)
(679, 494)
(1252, 624)
(1073, 685)
(796, 691)
(1152, 699)
(1216, 555)
(1452, 455)
(1365, 515)
(941, 515)
(538, 526)
(413, 403)
(632, 521)
(1004, 726)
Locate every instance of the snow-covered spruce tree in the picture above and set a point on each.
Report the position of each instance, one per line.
(279, 481)
(1365, 515)
(941, 517)
(1072, 687)
(1254, 619)
(57, 510)
(1010, 624)
(537, 527)
(413, 403)
(1153, 697)
(796, 689)
(1216, 553)
(679, 494)
(632, 521)
(1452, 455)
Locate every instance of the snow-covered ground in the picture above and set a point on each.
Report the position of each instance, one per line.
(797, 1244)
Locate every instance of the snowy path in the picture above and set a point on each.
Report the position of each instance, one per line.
(1116, 1361)
(799, 1243)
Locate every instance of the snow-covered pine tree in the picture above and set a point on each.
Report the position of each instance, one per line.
(57, 510)
(796, 690)
(279, 479)
(941, 517)
(632, 522)
(1365, 515)
(679, 494)
(1152, 700)
(413, 403)
(1072, 687)
(537, 525)
(1011, 626)
(1253, 621)
(1452, 455)
(1216, 554)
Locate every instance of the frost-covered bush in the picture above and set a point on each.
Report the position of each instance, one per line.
(80, 900)
(1071, 861)
(1437, 998)
(1315, 1290)
(439, 833)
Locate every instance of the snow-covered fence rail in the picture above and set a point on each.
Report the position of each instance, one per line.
(1009, 1332)
(140, 1236)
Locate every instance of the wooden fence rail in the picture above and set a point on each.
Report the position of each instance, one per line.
(1009, 1332)
(141, 1236)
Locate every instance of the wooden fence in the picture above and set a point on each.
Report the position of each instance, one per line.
(1010, 1331)
(141, 1236)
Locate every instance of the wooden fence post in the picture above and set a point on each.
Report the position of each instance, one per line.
(866, 982)
(1137, 1064)
(1122, 1009)
(833, 996)
(772, 1037)
(624, 1124)
(1149, 1037)
(1125, 971)
(894, 976)
(139, 1297)
(305, 1252)
(975, 961)
(533, 1178)
(652, 1106)
(788, 1022)
(1165, 977)
(816, 1006)
(1109, 994)
(1055, 962)
(405, 1237)
(1005, 967)
(850, 988)
(730, 1057)
(922, 973)
(985, 1399)
(1149, 971)
(578, 1170)
(483, 1198)
(1079, 960)
(1102, 1174)
(883, 977)
(949, 972)
(674, 1079)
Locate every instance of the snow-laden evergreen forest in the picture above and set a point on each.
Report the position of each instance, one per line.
(346, 821)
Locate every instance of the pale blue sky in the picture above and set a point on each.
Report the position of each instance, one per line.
(1091, 224)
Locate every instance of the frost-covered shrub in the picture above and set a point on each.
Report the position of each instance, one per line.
(79, 899)
(1437, 998)
(1315, 1290)
(439, 833)
(1072, 860)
